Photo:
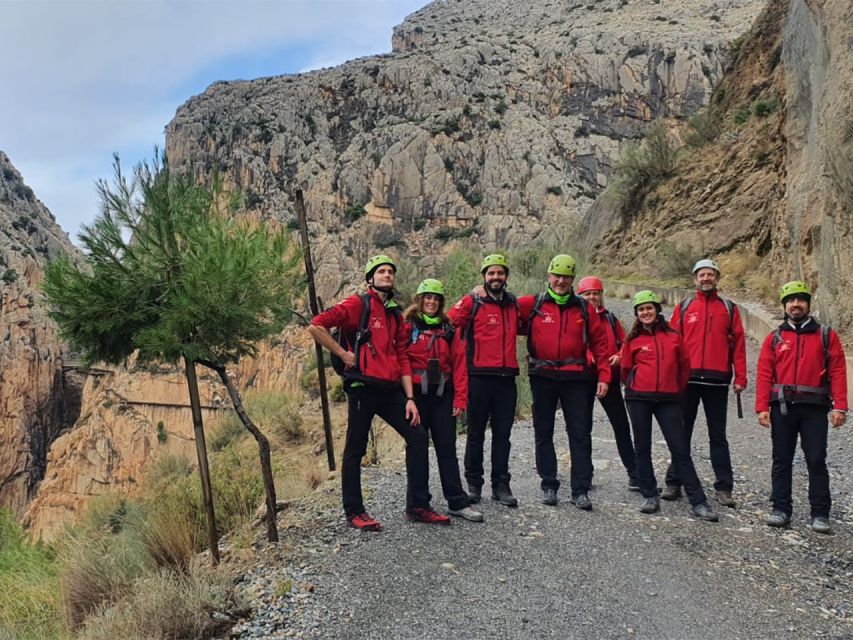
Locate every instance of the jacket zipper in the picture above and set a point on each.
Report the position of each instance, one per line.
(657, 362)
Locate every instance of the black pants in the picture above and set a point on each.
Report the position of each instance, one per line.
(810, 423)
(670, 417)
(489, 397)
(438, 421)
(715, 401)
(614, 407)
(576, 397)
(364, 403)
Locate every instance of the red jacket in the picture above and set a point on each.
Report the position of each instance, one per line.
(714, 350)
(490, 337)
(796, 367)
(558, 346)
(655, 366)
(615, 332)
(430, 342)
(383, 359)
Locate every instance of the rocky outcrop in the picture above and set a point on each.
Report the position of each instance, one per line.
(34, 403)
(490, 119)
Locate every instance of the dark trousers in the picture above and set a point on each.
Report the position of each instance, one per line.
(810, 423)
(364, 403)
(576, 397)
(489, 397)
(438, 421)
(715, 401)
(670, 417)
(614, 406)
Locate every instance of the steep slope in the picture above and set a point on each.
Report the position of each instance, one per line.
(492, 119)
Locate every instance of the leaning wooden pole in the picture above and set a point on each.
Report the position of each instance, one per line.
(315, 309)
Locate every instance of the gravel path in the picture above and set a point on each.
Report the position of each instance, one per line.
(556, 572)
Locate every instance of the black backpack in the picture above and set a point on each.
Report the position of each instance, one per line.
(352, 341)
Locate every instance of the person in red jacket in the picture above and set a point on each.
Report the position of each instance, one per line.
(440, 379)
(376, 369)
(591, 289)
(655, 369)
(801, 378)
(714, 337)
(489, 326)
(567, 360)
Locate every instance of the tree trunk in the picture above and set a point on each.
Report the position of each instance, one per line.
(263, 448)
(201, 451)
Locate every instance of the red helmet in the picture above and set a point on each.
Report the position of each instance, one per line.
(590, 283)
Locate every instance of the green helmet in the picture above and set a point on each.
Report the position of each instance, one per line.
(562, 265)
(644, 297)
(376, 261)
(795, 287)
(494, 260)
(431, 285)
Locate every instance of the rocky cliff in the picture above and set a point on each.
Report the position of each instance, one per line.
(491, 119)
(35, 404)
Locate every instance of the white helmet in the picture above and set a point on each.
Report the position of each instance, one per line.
(706, 264)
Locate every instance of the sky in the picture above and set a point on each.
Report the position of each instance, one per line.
(83, 79)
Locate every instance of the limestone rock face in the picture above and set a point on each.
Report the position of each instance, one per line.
(34, 406)
(491, 118)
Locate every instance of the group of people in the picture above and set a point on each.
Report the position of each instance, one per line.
(419, 368)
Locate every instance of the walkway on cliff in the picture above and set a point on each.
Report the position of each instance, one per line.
(545, 572)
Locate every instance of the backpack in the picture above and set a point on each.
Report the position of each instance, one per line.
(537, 306)
(353, 341)
(824, 336)
(611, 320)
(730, 308)
(446, 327)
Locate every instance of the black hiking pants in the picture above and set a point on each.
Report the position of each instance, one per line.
(489, 397)
(614, 406)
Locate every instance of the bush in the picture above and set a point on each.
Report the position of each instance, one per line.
(474, 198)
(742, 115)
(704, 127)
(676, 262)
(763, 108)
(354, 212)
(557, 191)
(9, 276)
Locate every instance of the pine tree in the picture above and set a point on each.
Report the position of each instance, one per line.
(171, 275)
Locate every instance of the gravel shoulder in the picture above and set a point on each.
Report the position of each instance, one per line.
(556, 572)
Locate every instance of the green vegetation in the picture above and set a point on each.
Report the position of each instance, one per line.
(556, 191)
(703, 128)
(354, 212)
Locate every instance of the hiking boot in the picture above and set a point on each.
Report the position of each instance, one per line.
(725, 499)
(364, 521)
(633, 484)
(549, 497)
(821, 525)
(504, 496)
(582, 501)
(703, 511)
(427, 515)
(777, 519)
(650, 505)
(475, 494)
(671, 492)
(467, 513)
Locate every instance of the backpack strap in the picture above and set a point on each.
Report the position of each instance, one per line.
(611, 320)
(537, 310)
(824, 335)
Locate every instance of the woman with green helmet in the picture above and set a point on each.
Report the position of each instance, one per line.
(440, 380)
(655, 368)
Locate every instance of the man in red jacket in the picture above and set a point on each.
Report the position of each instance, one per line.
(489, 325)
(713, 334)
(563, 330)
(801, 377)
(376, 369)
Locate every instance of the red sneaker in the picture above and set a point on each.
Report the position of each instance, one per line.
(429, 516)
(364, 521)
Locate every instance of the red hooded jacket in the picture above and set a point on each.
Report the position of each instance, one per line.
(430, 342)
(490, 336)
(383, 360)
(655, 365)
(714, 350)
(559, 346)
(797, 369)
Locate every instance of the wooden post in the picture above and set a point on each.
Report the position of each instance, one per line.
(315, 309)
(201, 451)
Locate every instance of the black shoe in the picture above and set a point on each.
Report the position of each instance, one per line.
(725, 499)
(703, 511)
(549, 497)
(651, 505)
(475, 494)
(821, 525)
(633, 484)
(671, 492)
(582, 501)
(777, 519)
(504, 496)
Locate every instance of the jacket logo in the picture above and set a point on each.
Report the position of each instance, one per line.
(493, 318)
(784, 346)
(547, 318)
(377, 323)
(646, 347)
(692, 317)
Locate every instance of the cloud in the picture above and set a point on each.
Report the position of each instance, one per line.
(85, 78)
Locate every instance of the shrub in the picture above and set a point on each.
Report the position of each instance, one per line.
(9, 276)
(676, 262)
(557, 191)
(500, 108)
(742, 115)
(494, 124)
(763, 108)
(474, 198)
(354, 212)
(704, 127)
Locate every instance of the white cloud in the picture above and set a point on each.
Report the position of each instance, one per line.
(85, 78)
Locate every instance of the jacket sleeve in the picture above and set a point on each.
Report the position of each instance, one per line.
(460, 313)
(401, 343)
(525, 307)
(837, 373)
(345, 315)
(738, 349)
(675, 318)
(599, 344)
(460, 372)
(683, 363)
(764, 375)
(626, 363)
